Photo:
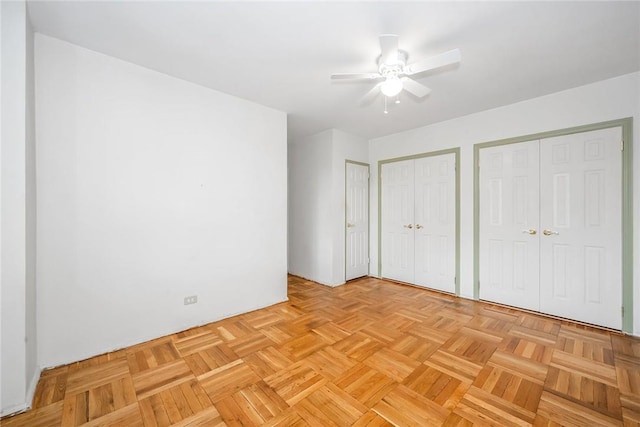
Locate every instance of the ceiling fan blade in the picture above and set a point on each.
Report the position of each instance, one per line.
(355, 76)
(415, 88)
(450, 57)
(389, 49)
(369, 96)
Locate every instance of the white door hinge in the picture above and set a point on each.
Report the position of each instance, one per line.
(622, 145)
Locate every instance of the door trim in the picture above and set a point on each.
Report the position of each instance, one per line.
(353, 162)
(627, 205)
(456, 152)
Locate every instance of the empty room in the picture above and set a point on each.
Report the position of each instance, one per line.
(442, 225)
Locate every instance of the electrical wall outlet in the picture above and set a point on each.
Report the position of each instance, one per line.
(191, 300)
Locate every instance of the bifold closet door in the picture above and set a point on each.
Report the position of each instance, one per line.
(397, 221)
(435, 222)
(551, 226)
(418, 221)
(509, 218)
(581, 227)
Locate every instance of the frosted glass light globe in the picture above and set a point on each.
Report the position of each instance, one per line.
(391, 87)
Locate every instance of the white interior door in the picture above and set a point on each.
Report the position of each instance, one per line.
(357, 221)
(581, 247)
(397, 221)
(435, 222)
(509, 218)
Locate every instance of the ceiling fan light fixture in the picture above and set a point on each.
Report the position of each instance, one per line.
(391, 86)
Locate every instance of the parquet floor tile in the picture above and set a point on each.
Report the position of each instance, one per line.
(510, 387)
(267, 361)
(51, 387)
(250, 343)
(484, 408)
(437, 386)
(371, 419)
(365, 384)
(232, 329)
(404, 407)
(383, 333)
(369, 353)
(528, 369)
(330, 363)
(176, 404)
(565, 412)
(438, 330)
(161, 378)
(45, 416)
(395, 365)
(331, 332)
(414, 348)
(143, 358)
(210, 358)
(526, 349)
(330, 406)
(296, 382)
(251, 406)
(92, 376)
(358, 346)
(289, 418)
(593, 394)
(228, 379)
(276, 334)
(195, 343)
(303, 346)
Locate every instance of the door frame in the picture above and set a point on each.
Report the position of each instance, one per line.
(627, 204)
(456, 152)
(353, 162)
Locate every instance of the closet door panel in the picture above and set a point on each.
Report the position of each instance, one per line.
(580, 217)
(435, 216)
(398, 221)
(509, 219)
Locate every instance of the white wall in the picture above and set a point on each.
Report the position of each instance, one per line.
(317, 203)
(310, 187)
(150, 189)
(18, 366)
(606, 100)
(31, 342)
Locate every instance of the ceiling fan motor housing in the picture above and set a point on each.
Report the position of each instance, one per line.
(390, 70)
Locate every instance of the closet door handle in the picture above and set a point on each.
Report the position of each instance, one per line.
(530, 231)
(418, 226)
(548, 232)
(408, 226)
(349, 225)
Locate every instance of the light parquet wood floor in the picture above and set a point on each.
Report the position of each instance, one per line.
(369, 353)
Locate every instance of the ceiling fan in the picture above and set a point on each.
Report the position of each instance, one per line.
(394, 72)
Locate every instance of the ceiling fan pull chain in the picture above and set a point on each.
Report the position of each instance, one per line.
(385, 105)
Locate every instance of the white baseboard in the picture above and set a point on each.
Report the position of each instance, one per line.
(15, 409)
(31, 391)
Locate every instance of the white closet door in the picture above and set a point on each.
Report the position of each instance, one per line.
(435, 221)
(509, 217)
(357, 221)
(397, 221)
(581, 250)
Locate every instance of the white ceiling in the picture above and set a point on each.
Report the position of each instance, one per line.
(281, 54)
